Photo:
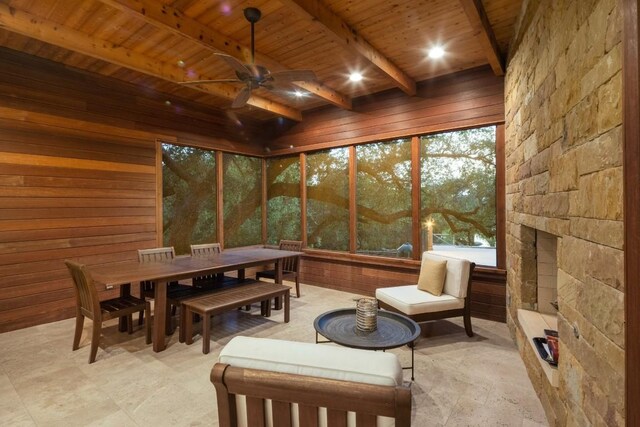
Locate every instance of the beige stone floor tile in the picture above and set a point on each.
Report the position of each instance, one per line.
(459, 380)
(12, 410)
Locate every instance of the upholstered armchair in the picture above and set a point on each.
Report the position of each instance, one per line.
(421, 305)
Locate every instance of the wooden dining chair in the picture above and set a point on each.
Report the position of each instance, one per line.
(88, 305)
(204, 251)
(290, 267)
(147, 288)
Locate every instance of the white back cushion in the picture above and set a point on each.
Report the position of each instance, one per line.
(457, 278)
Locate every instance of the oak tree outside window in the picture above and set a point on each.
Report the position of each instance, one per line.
(188, 196)
(383, 197)
(328, 199)
(459, 193)
(283, 199)
(242, 198)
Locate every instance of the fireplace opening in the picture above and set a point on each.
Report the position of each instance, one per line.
(547, 272)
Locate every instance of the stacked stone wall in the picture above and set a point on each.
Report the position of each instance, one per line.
(564, 176)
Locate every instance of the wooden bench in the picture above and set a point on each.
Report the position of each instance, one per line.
(226, 300)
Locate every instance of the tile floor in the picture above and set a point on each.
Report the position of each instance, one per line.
(460, 381)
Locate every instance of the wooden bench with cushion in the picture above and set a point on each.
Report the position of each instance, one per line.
(267, 382)
(226, 300)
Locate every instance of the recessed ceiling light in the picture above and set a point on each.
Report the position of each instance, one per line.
(167, 102)
(181, 63)
(355, 77)
(298, 94)
(436, 52)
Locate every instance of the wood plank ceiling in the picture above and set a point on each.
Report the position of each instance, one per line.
(141, 41)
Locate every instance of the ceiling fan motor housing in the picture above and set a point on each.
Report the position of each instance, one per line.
(252, 14)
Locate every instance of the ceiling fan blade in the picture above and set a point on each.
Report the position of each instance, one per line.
(293, 76)
(242, 98)
(197, 82)
(238, 66)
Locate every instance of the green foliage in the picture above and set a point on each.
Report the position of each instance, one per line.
(242, 196)
(188, 196)
(383, 196)
(283, 199)
(458, 184)
(328, 199)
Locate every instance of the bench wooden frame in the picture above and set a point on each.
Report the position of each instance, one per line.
(310, 393)
(226, 300)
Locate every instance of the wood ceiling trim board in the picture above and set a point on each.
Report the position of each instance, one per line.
(50, 32)
(349, 39)
(484, 33)
(169, 19)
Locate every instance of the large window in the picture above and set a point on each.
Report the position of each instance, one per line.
(328, 199)
(242, 198)
(383, 195)
(457, 204)
(283, 199)
(459, 194)
(188, 196)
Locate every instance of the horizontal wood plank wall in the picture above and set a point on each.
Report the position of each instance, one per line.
(488, 299)
(38, 85)
(465, 99)
(78, 177)
(86, 196)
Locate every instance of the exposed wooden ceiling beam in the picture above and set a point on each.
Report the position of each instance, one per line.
(168, 18)
(484, 33)
(21, 22)
(348, 38)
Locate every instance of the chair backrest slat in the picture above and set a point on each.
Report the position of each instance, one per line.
(156, 254)
(290, 264)
(205, 250)
(86, 294)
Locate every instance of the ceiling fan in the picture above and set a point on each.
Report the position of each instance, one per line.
(254, 76)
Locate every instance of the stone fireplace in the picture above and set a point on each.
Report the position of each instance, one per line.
(564, 184)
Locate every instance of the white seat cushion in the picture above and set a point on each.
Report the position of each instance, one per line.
(410, 300)
(317, 360)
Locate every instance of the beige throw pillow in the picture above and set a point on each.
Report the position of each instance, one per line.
(432, 275)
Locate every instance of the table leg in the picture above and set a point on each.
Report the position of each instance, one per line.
(159, 314)
(413, 345)
(278, 280)
(286, 306)
(125, 290)
(241, 274)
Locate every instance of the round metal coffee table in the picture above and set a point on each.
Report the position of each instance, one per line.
(394, 330)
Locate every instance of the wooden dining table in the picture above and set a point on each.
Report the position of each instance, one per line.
(184, 267)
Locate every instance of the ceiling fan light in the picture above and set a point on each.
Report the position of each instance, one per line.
(298, 94)
(355, 77)
(436, 52)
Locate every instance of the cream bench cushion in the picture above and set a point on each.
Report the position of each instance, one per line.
(316, 360)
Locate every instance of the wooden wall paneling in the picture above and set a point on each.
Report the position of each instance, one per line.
(37, 85)
(353, 205)
(466, 99)
(303, 199)
(631, 170)
(416, 223)
(501, 211)
(93, 199)
(219, 198)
